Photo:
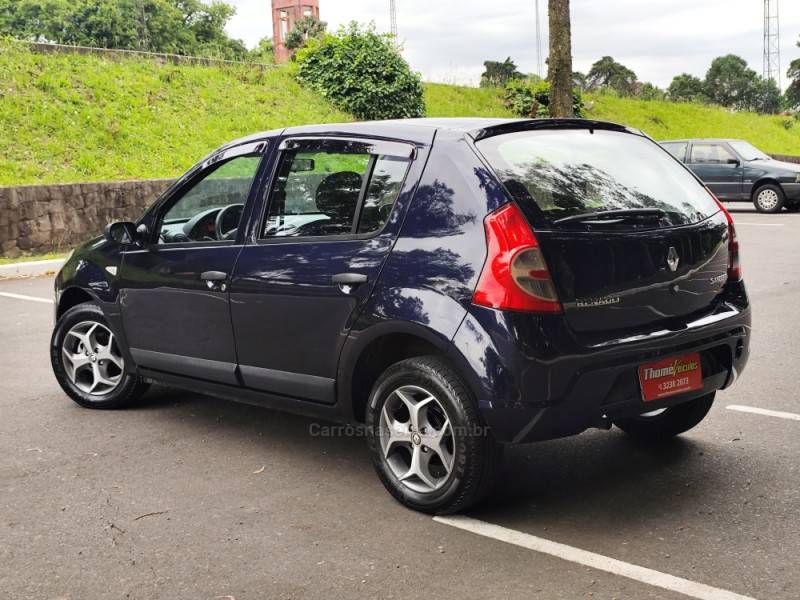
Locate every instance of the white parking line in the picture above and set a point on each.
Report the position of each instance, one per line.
(590, 559)
(22, 297)
(765, 412)
(759, 224)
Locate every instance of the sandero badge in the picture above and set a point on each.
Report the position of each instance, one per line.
(445, 286)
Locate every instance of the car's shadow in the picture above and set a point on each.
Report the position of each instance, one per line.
(596, 477)
(744, 209)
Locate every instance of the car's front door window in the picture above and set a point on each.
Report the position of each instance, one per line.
(210, 210)
(711, 154)
(316, 194)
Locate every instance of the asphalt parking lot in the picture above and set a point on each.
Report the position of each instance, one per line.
(190, 497)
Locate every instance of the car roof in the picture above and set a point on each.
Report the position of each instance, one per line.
(422, 130)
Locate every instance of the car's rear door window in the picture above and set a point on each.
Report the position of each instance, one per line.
(677, 149)
(335, 189)
(559, 173)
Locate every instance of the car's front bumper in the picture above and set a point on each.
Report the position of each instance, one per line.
(792, 191)
(536, 383)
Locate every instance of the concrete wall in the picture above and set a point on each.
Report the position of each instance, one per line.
(114, 53)
(785, 158)
(35, 219)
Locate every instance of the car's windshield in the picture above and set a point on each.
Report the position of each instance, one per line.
(566, 172)
(747, 151)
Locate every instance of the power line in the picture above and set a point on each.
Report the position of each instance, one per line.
(772, 42)
(538, 42)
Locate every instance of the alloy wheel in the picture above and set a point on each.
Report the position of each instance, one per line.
(417, 439)
(92, 360)
(768, 199)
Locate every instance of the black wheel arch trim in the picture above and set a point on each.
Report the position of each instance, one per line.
(360, 339)
(757, 185)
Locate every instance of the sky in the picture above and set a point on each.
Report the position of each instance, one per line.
(448, 40)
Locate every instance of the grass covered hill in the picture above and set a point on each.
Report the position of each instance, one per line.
(69, 118)
(72, 118)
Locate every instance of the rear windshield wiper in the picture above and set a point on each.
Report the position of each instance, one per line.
(606, 216)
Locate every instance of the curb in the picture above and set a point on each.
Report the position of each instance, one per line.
(34, 268)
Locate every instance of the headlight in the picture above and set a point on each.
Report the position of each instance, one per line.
(797, 178)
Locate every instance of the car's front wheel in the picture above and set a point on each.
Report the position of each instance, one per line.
(769, 198)
(664, 424)
(428, 442)
(87, 361)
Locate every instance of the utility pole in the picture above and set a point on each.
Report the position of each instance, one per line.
(560, 65)
(772, 42)
(538, 42)
(393, 19)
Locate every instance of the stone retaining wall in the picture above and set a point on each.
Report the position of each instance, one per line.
(785, 158)
(36, 219)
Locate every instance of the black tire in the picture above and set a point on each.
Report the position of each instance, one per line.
(769, 198)
(127, 389)
(475, 454)
(672, 422)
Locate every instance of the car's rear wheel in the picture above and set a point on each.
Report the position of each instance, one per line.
(661, 425)
(769, 198)
(428, 442)
(88, 363)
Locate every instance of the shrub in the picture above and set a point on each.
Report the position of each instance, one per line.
(362, 72)
(531, 98)
(304, 30)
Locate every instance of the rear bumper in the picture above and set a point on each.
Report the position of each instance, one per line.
(534, 380)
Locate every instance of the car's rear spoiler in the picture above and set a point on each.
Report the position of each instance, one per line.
(534, 124)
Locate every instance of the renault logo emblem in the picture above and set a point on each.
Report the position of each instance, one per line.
(673, 259)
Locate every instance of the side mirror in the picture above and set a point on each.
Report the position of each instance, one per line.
(121, 232)
(734, 161)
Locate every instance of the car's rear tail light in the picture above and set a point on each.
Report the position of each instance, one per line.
(515, 275)
(734, 268)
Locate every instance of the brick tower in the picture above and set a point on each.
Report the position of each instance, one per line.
(284, 15)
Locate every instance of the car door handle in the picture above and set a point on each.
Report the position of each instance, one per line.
(213, 276)
(349, 278)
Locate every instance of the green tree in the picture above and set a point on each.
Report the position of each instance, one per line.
(579, 81)
(497, 74)
(362, 72)
(530, 98)
(687, 88)
(649, 91)
(730, 82)
(764, 97)
(608, 73)
(793, 92)
(173, 26)
(264, 52)
(303, 30)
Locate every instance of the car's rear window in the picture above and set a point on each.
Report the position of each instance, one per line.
(567, 172)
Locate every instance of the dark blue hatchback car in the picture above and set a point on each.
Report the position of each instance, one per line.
(455, 285)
